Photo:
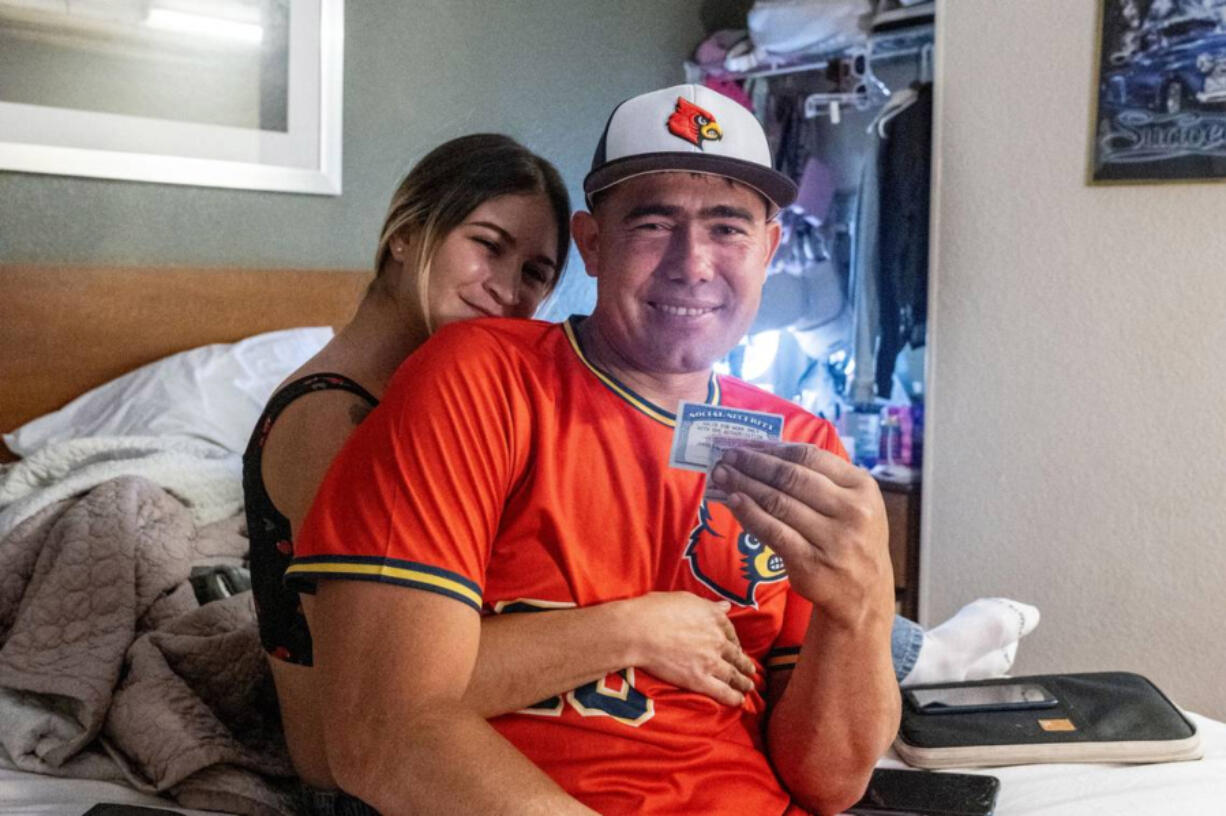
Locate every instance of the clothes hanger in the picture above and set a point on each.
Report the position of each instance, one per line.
(857, 85)
(925, 70)
(899, 102)
(829, 104)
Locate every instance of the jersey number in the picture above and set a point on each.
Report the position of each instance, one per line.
(613, 696)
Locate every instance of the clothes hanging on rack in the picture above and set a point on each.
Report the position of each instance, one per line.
(890, 260)
(885, 241)
(906, 167)
(864, 276)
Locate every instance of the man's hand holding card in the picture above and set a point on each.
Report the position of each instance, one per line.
(824, 516)
(704, 432)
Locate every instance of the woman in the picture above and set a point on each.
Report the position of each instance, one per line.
(478, 228)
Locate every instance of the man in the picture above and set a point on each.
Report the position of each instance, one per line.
(516, 466)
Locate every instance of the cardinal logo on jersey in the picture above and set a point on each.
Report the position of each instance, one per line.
(729, 560)
(693, 124)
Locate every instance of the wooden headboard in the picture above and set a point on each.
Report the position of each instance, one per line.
(65, 330)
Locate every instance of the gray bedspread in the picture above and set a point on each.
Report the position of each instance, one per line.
(110, 669)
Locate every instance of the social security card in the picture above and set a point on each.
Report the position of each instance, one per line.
(700, 425)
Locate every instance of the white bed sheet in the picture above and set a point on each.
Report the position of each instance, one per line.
(1166, 789)
(31, 794)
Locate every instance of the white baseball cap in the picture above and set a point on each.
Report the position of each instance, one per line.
(686, 127)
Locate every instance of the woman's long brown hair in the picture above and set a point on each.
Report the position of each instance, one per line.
(453, 180)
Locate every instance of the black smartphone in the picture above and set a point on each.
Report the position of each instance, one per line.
(893, 792)
(965, 699)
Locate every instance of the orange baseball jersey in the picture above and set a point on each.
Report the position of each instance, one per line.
(506, 471)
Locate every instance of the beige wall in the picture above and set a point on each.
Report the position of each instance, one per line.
(1077, 413)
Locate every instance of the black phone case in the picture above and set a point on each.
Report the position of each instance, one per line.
(893, 792)
(1099, 717)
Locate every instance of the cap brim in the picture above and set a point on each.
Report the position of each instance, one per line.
(775, 186)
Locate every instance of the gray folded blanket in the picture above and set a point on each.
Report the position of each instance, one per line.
(110, 669)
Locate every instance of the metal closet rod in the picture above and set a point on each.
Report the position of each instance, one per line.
(881, 47)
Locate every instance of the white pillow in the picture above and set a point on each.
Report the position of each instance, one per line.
(215, 393)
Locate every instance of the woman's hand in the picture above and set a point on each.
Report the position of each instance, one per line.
(690, 642)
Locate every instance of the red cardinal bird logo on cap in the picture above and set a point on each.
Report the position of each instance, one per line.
(693, 124)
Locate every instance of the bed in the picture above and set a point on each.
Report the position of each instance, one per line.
(64, 331)
(1196, 788)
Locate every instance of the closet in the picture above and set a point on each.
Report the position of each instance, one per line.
(844, 89)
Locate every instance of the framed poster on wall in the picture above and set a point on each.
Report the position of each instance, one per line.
(1161, 110)
(216, 93)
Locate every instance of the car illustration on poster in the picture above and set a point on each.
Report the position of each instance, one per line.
(1162, 91)
(1181, 65)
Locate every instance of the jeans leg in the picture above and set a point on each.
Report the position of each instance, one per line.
(905, 641)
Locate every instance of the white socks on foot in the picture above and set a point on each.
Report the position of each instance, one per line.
(980, 641)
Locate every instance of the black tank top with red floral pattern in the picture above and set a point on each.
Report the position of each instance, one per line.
(283, 627)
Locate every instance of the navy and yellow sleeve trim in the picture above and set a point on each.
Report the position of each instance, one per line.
(780, 659)
(304, 572)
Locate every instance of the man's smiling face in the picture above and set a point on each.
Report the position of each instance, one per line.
(679, 260)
